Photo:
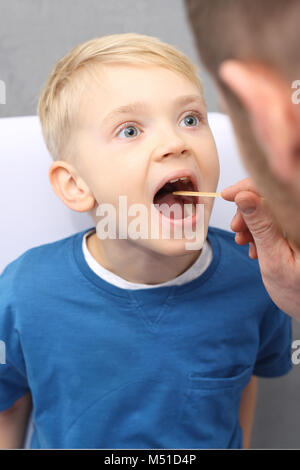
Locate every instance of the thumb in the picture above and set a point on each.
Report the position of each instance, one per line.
(259, 221)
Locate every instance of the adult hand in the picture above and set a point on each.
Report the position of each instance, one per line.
(278, 258)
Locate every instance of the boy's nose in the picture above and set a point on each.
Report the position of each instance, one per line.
(170, 143)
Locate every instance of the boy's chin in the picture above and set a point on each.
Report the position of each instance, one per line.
(175, 247)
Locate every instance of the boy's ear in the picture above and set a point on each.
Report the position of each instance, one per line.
(275, 119)
(70, 187)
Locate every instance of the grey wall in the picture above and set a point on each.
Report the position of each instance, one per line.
(34, 34)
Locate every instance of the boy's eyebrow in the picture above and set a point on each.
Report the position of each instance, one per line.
(139, 105)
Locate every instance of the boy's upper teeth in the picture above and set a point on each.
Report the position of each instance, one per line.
(183, 178)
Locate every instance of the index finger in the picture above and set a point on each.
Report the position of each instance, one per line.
(230, 192)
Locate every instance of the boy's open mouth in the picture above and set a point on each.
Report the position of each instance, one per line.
(164, 197)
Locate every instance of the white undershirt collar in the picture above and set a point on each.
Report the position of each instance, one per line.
(194, 271)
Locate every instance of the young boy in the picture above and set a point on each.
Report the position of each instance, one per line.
(127, 342)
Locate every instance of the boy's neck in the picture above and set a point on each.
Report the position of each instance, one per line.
(135, 264)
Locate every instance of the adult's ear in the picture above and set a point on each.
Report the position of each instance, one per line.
(70, 187)
(275, 119)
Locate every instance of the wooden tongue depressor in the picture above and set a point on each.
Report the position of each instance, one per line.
(195, 193)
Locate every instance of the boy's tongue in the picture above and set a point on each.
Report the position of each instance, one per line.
(170, 199)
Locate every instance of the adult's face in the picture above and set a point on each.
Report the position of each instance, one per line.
(256, 89)
(267, 126)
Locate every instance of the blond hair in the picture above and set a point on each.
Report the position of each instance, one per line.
(58, 104)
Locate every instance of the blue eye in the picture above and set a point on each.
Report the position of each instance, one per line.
(129, 131)
(191, 120)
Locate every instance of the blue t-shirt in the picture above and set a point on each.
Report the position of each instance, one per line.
(153, 368)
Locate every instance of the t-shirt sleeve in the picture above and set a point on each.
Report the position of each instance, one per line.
(274, 355)
(13, 380)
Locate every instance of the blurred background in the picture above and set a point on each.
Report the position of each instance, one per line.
(34, 34)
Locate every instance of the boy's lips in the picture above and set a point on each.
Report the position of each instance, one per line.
(185, 172)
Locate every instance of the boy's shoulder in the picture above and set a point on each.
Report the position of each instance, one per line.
(224, 235)
(36, 263)
(226, 240)
(237, 276)
(233, 257)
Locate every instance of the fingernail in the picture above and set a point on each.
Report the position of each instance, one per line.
(245, 208)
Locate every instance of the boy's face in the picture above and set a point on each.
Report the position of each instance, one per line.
(129, 153)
